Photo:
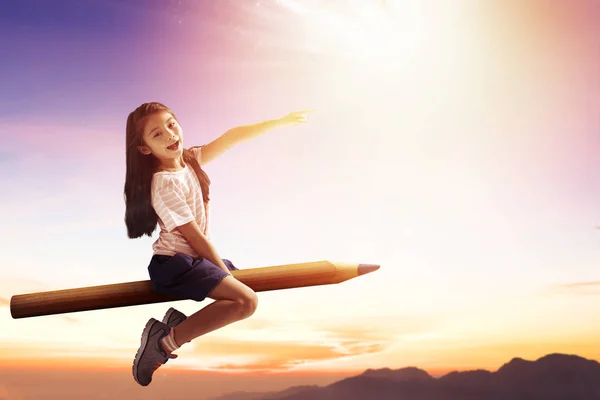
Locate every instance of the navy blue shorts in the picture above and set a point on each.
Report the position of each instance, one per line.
(184, 276)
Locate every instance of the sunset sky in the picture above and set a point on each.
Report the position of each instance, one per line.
(454, 143)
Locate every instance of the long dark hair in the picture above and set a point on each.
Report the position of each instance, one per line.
(140, 216)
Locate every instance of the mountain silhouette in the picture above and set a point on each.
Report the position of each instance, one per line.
(552, 377)
(399, 375)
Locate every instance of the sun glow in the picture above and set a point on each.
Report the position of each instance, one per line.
(371, 31)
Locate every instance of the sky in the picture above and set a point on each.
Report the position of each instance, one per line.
(453, 144)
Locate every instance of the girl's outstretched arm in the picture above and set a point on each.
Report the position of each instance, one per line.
(243, 133)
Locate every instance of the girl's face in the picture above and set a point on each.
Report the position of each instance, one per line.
(162, 136)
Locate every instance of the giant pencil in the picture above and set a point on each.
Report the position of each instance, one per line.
(141, 292)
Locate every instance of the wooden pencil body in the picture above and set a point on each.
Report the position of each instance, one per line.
(141, 292)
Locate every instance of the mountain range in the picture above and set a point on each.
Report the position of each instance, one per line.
(552, 377)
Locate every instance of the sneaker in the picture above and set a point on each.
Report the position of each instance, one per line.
(150, 356)
(173, 317)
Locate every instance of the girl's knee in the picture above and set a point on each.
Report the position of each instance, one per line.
(248, 302)
(244, 297)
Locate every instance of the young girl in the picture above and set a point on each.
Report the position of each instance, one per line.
(165, 184)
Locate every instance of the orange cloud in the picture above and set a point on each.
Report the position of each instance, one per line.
(320, 345)
(287, 344)
(275, 355)
(579, 288)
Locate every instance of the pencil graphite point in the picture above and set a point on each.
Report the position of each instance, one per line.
(366, 268)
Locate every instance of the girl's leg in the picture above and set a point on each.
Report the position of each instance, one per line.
(234, 301)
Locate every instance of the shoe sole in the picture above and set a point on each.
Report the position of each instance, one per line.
(145, 335)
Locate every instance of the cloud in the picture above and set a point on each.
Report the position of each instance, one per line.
(278, 355)
(70, 319)
(279, 345)
(292, 348)
(578, 288)
(582, 284)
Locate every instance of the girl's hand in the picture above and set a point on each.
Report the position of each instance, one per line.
(295, 118)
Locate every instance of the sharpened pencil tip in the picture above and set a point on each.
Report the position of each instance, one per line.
(366, 268)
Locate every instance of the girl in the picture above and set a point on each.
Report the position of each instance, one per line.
(166, 184)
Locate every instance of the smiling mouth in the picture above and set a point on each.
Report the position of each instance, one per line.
(174, 146)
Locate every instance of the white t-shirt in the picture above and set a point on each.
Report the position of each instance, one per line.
(177, 200)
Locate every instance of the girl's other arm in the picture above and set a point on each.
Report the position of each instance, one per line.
(243, 133)
(200, 243)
